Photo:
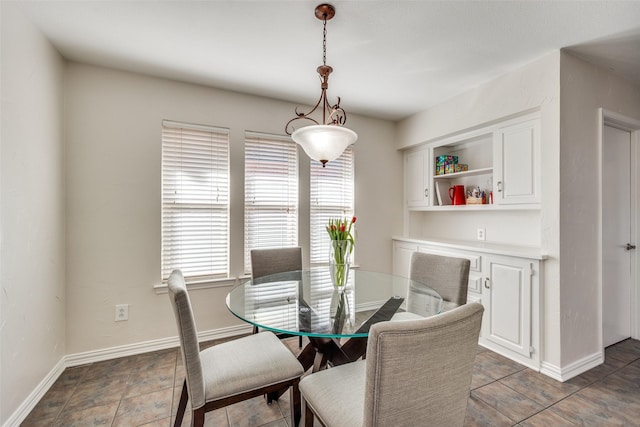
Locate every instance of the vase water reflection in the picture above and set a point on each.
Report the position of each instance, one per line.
(340, 310)
(340, 262)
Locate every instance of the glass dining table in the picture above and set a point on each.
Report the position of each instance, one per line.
(336, 321)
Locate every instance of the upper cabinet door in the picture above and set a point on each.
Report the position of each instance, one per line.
(417, 176)
(516, 163)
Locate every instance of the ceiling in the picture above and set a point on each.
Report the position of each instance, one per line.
(390, 58)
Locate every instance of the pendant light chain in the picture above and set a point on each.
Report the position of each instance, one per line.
(324, 42)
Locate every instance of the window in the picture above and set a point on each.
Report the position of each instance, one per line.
(195, 200)
(332, 196)
(271, 193)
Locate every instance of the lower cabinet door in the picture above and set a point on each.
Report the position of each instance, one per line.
(506, 295)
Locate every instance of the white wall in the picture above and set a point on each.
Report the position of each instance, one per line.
(113, 122)
(584, 89)
(32, 210)
(535, 86)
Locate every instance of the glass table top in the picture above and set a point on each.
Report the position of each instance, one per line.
(306, 302)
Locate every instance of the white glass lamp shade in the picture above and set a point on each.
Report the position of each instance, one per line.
(324, 143)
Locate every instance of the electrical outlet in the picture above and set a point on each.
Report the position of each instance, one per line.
(481, 234)
(122, 312)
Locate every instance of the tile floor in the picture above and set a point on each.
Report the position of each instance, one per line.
(143, 390)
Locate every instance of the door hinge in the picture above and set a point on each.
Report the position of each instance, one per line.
(630, 246)
(531, 350)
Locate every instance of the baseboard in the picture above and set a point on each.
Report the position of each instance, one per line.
(34, 397)
(374, 305)
(93, 356)
(149, 346)
(573, 369)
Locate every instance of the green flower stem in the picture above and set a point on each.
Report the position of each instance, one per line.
(341, 248)
(340, 317)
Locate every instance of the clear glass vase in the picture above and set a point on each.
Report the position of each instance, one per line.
(340, 311)
(340, 261)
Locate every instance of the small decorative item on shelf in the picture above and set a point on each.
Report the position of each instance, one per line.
(476, 197)
(340, 249)
(446, 164)
(475, 201)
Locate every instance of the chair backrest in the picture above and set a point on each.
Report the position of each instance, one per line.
(418, 372)
(278, 260)
(449, 276)
(188, 338)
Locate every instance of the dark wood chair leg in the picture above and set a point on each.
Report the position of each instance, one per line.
(294, 395)
(308, 416)
(182, 406)
(198, 417)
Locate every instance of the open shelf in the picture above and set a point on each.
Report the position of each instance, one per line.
(474, 172)
(487, 207)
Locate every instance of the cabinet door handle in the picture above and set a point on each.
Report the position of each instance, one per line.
(499, 185)
(487, 282)
(426, 192)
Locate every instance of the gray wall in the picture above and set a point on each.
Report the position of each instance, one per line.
(32, 210)
(584, 89)
(113, 121)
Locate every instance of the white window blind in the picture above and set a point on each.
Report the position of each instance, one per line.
(271, 193)
(332, 196)
(195, 200)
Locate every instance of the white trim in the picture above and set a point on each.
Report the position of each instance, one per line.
(206, 284)
(374, 305)
(551, 370)
(93, 356)
(194, 126)
(34, 397)
(617, 120)
(574, 369)
(148, 346)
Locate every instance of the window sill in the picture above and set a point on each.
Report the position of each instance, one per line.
(225, 282)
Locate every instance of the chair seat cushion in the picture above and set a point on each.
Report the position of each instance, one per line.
(247, 364)
(339, 391)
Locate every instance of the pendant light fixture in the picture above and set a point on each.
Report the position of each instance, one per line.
(323, 141)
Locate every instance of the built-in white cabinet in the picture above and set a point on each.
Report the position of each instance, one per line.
(516, 163)
(402, 252)
(417, 177)
(506, 280)
(508, 298)
(502, 160)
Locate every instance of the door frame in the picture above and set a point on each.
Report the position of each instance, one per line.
(616, 120)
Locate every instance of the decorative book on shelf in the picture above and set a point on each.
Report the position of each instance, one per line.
(439, 191)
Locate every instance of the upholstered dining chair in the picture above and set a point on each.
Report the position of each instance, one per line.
(275, 260)
(230, 372)
(416, 373)
(449, 276)
(265, 262)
